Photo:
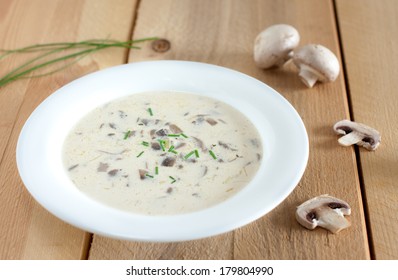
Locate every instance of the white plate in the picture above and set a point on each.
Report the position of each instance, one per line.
(285, 143)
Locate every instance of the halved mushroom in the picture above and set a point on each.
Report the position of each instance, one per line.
(162, 132)
(174, 128)
(316, 63)
(155, 146)
(357, 133)
(168, 161)
(324, 211)
(142, 173)
(102, 167)
(274, 45)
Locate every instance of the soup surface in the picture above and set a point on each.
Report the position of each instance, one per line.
(162, 153)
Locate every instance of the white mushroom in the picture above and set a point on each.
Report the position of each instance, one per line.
(274, 45)
(316, 63)
(324, 211)
(357, 133)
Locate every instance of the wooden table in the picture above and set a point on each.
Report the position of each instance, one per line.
(363, 34)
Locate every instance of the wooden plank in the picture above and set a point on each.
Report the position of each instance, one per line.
(27, 231)
(369, 39)
(222, 33)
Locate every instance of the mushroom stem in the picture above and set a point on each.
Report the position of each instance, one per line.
(290, 55)
(281, 62)
(350, 138)
(308, 76)
(285, 60)
(333, 220)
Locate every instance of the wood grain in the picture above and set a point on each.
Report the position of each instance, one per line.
(370, 38)
(27, 231)
(222, 33)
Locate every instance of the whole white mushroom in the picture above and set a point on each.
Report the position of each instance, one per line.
(316, 63)
(274, 45)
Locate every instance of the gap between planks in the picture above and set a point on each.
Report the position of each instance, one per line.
(356, 149)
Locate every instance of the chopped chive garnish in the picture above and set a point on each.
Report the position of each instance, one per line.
(183, 135)
(173, 135)
(146, 144)
(172, 178)
(150, 176)
(171, 148)
(161, 145)
(140, 154)
(196, 153)
(127, 134)
(156, 170)
(189, 154)
(150, 111)
(212, 154)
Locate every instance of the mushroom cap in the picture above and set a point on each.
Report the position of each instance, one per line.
(325, 211)
(357, 133)
(319, 60)
(273, 45)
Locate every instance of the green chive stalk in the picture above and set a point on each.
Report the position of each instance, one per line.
(45, 53)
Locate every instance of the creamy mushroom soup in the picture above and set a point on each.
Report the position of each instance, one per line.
(162, 153)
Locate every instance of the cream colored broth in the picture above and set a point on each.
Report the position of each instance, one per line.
(115, 153)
